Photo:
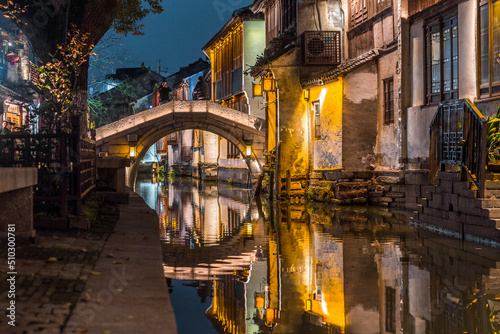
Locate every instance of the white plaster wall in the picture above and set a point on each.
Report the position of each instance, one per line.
(254, 41)
(378, 39)
(388, 29)
(466, 51)
(419, 120)
(389, 143)
(359, 86)
(417, 60)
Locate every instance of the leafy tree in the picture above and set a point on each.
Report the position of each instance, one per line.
(52, 26)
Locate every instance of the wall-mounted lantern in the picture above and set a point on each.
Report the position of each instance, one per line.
(132, 152)
(308, 305)
(249, 150)
(257, 89)
(307, 94)
(268, 84)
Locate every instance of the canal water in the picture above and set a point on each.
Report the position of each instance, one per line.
(236, 265)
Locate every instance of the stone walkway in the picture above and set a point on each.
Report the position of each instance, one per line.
(105, 280)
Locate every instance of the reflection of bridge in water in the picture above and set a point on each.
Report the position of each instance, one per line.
(209, 233)
(234, 254)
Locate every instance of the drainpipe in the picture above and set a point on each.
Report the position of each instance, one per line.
(278, 141)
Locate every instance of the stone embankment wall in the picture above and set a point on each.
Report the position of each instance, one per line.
(451, 204)
(383, 188)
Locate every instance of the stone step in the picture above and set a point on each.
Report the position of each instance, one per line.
(492, 193)
(493, 213)
(488, 203)
(492, 185)
(497, 223)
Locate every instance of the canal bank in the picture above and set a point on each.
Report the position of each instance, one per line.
(128, 293)
(107, 279)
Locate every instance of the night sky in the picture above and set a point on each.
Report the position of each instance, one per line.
(177, 35)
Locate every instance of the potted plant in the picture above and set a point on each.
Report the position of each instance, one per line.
(493, 142)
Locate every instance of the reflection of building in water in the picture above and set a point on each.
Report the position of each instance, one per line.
(346, 270)
(195, 219)
(359, 273)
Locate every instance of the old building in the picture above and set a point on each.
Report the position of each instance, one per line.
(128, 91)
(302, 38)
(17, 92)
(231, 51)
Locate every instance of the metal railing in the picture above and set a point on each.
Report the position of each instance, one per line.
(66, 166)
(458, 137)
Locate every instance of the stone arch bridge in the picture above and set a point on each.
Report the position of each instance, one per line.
(144, 129)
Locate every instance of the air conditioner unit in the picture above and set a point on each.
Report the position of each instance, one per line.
(321, 47)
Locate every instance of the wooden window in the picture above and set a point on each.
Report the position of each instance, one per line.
(316, 108)
(272, 20)
(390, 310)
(489, 26)
(289, 14)
(232, 151)
(281, 15)
(389, 101)
(228, 60)
(362, 10)
(442, 60)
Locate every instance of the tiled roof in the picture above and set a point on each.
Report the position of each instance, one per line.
(343, 68)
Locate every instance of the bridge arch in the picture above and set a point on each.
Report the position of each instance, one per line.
(146, 128)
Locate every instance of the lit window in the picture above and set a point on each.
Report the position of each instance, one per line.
(489, 23)
(316, 120)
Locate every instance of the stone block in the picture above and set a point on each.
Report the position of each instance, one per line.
(427, 190)
(410, 178)
(388, 179)
(412, 190)
(17, 209)
(365, 175)
(450, 176)
(394, 194)
(347, 174)
(467, 206)
(353, 185)
(445, 186)
(422, 179)
(435, 201)
(374, 194)
(480, 221)
(412, 206)
(17, 178)
(359, 200)
(398, 189)
(352, 193)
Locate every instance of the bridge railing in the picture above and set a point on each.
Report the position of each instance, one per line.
(66, 166)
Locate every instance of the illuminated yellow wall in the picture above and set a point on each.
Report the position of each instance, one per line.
(327, 151)
(271, 121)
